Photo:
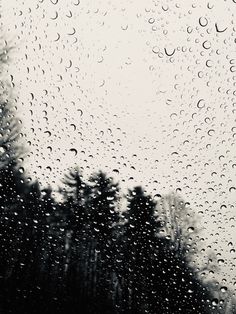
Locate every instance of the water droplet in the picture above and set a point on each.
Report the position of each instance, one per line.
(124, 27)
(232, 189)
(48, 133)
(220, 30)
(169, 53)
(80, 112)
(211, 132)
(223, 289)
(74, 151)
(191, 229)
(155, 49)
(201, 103)
(21, 170)
(2, 150)
(151, 20)
(73, 126)
(206, 44)
(157, 196)
(203, 21)
(215, 302)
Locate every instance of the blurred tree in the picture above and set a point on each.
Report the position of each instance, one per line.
(103, 215)
(152, 277)
(11, 147)
(74, 198)
(11, 191)
(138, 254)
(12, 183)
(180, 223)
(75, 195)
(102, 206)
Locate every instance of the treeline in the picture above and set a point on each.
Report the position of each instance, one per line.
(86, 255)
(94, 252)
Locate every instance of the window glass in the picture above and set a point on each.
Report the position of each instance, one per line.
(117, 156)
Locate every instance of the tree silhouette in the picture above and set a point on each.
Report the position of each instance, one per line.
(103, 215)
(74, 200)
(11, 189)
(138, 252)
(104, 261)
(75, 195)
(153, 278)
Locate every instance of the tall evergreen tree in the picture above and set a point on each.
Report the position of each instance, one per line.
(138, 254)
(153, 277)
(103, 215)
(75, 195)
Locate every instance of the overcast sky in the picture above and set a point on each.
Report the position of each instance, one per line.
(144, 90)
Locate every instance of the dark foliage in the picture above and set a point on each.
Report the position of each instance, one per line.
(84, 255)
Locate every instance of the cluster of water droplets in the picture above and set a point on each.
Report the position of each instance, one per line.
(144, 90)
